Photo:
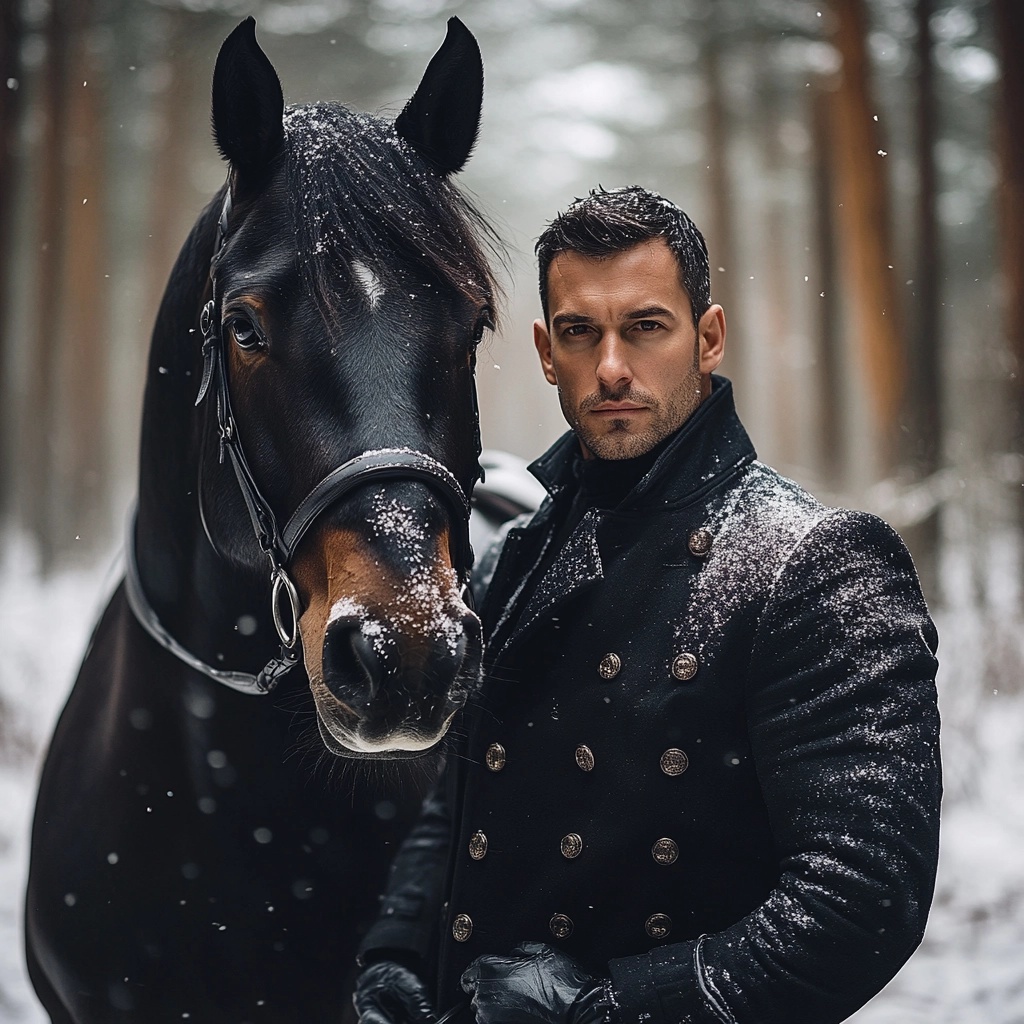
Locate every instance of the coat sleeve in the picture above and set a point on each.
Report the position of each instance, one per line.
(411, 905)
(843, 723)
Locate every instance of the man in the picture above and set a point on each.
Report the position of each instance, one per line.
(701, 782)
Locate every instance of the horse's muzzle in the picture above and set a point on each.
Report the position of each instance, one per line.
(394, 693)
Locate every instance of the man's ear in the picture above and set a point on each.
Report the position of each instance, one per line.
(542, 343)
(711, 339)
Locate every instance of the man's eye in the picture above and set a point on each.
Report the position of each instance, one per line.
(576, 330)
(244, 333)
(648, 325)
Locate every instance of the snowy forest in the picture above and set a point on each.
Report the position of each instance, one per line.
(857, 167)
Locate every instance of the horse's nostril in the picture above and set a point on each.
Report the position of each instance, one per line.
(368, 661)
(353, 670)
(379, 673)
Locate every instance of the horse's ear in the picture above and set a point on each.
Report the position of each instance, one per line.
(442, 118)
(248, 105)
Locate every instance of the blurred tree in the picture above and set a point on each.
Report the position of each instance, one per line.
(864, 216)
(1009, 16)
(180, 95)
(721, 230)
(777, 324)
(40, 422)
(830, 407)
(81, 485)
(10, 108)
(921, 435)
(63, 430)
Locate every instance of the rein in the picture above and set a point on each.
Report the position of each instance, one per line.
(277, 544)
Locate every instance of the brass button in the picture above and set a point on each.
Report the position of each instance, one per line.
(609, 666)
(572, 846)
(495, 757)
(478, 846)
(585, 758)
(462, 927)
(561, 926)
(684, 667)
(665, 851)
(658, 925)
(700, 542)
(674, 761)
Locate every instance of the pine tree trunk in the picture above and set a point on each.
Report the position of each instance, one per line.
(924, 390)
(10, 106)
(831, 408)
(720, 236)
(922, 442)
(1009, 15)
(865, 235)
(173, 115)
(84, 333)
(39, 420)
(776, 321)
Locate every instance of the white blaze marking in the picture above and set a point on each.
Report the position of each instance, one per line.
(369, 281)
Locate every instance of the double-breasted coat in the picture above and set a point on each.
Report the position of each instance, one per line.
(704, 760)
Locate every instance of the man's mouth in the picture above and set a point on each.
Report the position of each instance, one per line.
(613, 409)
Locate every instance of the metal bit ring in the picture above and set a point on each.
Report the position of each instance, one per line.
(280, 579)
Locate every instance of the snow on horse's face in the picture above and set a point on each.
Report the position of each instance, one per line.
(353, 295)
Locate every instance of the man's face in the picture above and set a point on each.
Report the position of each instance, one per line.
(621, 346)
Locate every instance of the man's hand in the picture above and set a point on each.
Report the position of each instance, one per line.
(390, 993)
(536, 985)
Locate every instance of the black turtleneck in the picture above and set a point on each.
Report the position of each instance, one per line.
(603, 484)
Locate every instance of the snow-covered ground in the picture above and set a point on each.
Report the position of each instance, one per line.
(970, 969)
(45, 626)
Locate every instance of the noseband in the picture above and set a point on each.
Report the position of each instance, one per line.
(279, 545)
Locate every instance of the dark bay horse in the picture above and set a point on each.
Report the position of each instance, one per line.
(188, 860)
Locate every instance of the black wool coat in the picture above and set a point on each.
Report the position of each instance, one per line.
(704, 760)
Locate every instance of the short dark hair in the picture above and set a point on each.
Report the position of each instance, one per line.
(610, 222)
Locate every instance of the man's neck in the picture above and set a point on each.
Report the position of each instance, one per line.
(605, 482)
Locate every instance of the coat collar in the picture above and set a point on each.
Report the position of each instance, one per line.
(709, 445)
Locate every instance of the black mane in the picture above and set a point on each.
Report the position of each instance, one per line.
(359, 191)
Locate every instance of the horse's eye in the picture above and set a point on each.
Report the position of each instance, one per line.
(484, 323)
(244, 333)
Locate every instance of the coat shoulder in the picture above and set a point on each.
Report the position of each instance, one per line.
(766, 526)
(757, 523)
(853, 568)
(778, 516)
(768, 532)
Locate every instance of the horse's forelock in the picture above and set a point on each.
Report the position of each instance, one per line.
(359, 192)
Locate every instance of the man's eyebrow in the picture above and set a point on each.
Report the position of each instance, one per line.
(565, 319)
(649, 311)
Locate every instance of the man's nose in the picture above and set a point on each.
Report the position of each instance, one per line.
(612, 362)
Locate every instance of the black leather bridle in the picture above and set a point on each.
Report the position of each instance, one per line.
(277, 544)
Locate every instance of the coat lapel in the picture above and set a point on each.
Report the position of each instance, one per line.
(576, 566)
(711, 445)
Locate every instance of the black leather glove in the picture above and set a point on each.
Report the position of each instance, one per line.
(390, 993)
(537, 985)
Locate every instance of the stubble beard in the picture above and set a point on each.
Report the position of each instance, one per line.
(622, 439)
